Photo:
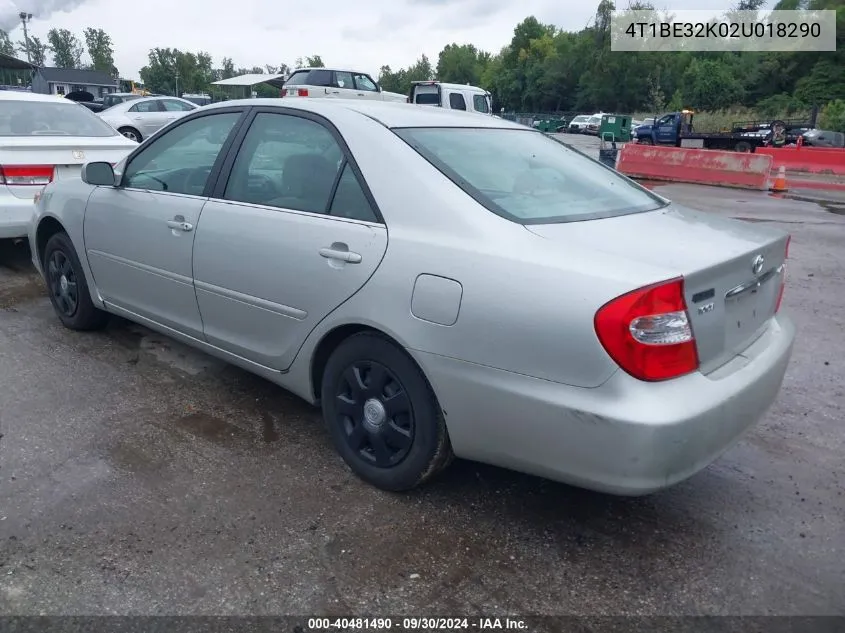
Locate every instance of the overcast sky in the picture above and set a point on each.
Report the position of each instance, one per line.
(360, 35)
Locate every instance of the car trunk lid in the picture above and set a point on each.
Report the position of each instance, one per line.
(732, 270)
(28, 163)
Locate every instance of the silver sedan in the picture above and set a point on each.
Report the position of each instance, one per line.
(138, 119)
(441, 283)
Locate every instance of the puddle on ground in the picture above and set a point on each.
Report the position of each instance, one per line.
(21, 291)
(211, 428)
(269, 433)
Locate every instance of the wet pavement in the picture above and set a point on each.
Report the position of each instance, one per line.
(140, 477)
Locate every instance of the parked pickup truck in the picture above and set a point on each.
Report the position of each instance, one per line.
(676, 129)
(451, 96)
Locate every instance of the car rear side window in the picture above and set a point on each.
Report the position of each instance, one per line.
(288, 162)
(145, 106)
(43, 118)
(527, 177)
(344, 80)
(349, 200)
(456, 101)
(479, 103)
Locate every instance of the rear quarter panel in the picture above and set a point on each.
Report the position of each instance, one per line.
(65, 202)
(526, 305)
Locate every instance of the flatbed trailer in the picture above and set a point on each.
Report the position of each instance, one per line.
(677, 129)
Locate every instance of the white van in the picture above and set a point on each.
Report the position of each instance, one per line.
(451, 96)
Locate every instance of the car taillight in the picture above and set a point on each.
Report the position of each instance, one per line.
(783, 274)
(647, 332)
(302, 92)
(38, 175)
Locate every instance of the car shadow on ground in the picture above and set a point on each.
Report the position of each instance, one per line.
(485, 489)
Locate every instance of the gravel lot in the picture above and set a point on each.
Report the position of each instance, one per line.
(140, 477)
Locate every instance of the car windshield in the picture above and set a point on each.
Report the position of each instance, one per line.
(43, 118)
(581, 119)
(533, 179)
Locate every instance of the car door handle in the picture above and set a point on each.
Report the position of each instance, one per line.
(341, 255)
(335, 92)
(180, 225)
(361, 94)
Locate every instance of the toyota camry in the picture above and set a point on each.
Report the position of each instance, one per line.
(440, 283)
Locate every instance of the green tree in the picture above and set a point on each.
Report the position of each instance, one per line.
(37, 50)
(66, 48)
(6, 46)
(101, 50)
(227, 68)
(462, 64)
(832, 116)
(315, 61)
(171, 71)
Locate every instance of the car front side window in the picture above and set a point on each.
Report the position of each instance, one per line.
(363, 82)
(181, 159)
(171, 105)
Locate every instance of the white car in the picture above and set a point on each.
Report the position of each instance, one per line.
(45, 138)
(141, 118)
(328, 83)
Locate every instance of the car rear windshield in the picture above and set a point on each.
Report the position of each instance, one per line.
(527, 177)
(42, 118)
(310, 78)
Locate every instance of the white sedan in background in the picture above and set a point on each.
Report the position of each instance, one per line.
(45, 138)
(141, 118)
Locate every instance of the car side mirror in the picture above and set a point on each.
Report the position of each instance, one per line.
(100, 174)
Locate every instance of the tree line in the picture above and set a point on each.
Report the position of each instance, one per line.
(542, 69)
(65, 49)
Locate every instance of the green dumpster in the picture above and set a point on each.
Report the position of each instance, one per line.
(616, 127)
(549, 125)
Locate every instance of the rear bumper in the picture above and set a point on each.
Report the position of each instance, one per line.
(15, 216)
(625, 437)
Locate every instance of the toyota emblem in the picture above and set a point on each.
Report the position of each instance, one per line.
(78, 154)
(757, 264)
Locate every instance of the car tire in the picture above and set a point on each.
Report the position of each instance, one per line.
(68, 287)
(644, 141)
(131, 133)
(382, 414)
(744, 147)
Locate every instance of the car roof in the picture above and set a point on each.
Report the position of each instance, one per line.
(19, 95)
(389, 114)
(336, 70)
(449, 86)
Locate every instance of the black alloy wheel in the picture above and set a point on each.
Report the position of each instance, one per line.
(61, 279)
(68, 287)
(382, 414)
(375, 413)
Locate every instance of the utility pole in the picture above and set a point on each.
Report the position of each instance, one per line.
(25, 18)
(177, 83)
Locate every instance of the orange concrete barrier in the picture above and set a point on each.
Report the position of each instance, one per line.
(814, 160)
(699, 166)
